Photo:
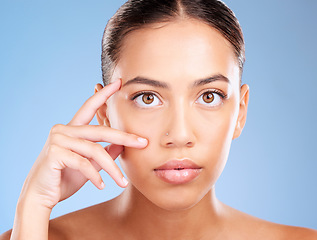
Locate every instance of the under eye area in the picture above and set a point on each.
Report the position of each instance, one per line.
(146, 99)
(211, 98)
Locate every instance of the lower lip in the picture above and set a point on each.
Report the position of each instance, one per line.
(177, 176)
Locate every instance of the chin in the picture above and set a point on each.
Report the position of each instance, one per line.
(179, 202)
(173, 198)
(176, 204)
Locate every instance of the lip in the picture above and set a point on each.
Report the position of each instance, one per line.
(178, 171)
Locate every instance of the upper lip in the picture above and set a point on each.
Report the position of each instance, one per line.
(175, 164)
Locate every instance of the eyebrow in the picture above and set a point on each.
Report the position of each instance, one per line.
(156, 83)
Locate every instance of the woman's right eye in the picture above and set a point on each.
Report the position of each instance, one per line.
(147, 99)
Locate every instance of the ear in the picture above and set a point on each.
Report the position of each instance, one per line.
(101, 114)
(242, 117)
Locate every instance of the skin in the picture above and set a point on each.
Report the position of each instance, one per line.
(150, 208)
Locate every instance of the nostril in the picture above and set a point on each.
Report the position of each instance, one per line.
(169, 143)
(190, 144)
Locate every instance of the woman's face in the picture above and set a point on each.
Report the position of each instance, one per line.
(190, 77)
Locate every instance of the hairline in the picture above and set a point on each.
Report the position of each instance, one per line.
(163, 22)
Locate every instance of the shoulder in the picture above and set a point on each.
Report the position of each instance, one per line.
(294, 233)
(80, 224)
(263, 229)
(55, 234)
(256, 228)
(89, 223)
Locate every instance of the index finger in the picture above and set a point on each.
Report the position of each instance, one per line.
(88, 110)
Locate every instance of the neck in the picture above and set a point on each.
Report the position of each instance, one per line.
(144, 220)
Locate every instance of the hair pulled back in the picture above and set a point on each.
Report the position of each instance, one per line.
(138, 14)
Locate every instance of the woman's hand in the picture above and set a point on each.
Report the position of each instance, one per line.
(71, 155)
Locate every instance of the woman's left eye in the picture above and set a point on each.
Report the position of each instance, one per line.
(210, 98)
(146, 99)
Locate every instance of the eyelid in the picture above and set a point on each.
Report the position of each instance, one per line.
(138, 94)
(222, 94)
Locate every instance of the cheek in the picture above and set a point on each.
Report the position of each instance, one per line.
(215, 139)
(144, 124)
(218, 128)
(138, 164)
(141, 123)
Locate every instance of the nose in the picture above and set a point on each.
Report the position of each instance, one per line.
(179, 131)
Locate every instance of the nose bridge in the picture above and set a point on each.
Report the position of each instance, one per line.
(179, 129)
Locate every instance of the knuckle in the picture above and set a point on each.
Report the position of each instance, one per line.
(56, 128)
(96, 151)
(83, 163)
(98, 148)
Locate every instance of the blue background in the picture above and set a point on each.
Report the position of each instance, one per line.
(50, 62)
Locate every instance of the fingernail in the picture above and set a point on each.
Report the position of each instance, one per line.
(102, 185)
(125, 181)
(142, 140)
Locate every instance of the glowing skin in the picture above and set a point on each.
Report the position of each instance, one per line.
(177, 54)
(171, 192)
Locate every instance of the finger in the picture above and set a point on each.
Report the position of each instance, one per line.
(97, 133)
(88, 110)
(76, 162)
(93, 151)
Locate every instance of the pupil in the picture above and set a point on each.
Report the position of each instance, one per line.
(208, 97)
(148, 98)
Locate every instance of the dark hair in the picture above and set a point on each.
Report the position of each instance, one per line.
(138, 14)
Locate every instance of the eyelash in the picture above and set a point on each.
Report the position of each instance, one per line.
(141, 93)
(220, 93)
(214, 91)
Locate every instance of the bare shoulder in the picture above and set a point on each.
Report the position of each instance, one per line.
(59, 228)
(256, 228)
(292, 233)
(95, 222)
(87, 223)
(54, 235)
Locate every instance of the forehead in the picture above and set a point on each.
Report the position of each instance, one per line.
(180, 50)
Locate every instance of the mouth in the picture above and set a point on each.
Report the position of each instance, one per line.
(178, 171)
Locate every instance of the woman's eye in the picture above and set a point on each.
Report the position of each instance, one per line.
(212, 99)
(147, 100)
